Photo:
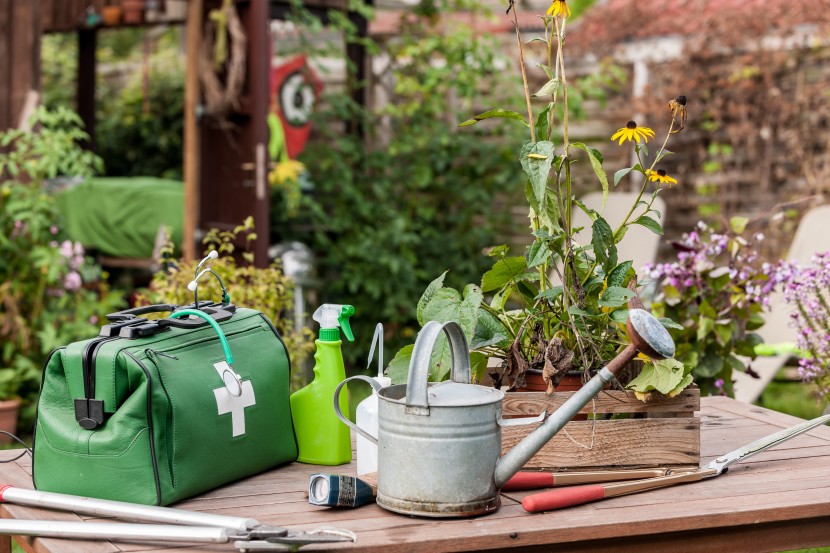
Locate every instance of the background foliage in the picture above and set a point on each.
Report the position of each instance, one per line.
(139, 102)
(50, 294)
(390, 211)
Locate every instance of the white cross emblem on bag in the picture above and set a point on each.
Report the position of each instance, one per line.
(233, 397)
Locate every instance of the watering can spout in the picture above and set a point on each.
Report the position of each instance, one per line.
(647, 335)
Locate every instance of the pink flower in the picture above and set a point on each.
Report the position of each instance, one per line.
(72, 281)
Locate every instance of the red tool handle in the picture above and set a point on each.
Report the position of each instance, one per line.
(565, 497)
(529, 481)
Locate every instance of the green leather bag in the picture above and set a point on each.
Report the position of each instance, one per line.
(154, 412)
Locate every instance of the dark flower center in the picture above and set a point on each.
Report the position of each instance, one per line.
(661, 172)
(631, 125)
(681, 100)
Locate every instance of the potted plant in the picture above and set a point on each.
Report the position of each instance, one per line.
(717, 288)
(561, 305)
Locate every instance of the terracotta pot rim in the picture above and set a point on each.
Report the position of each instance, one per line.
(7, 403)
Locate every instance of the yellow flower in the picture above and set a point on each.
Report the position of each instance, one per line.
(559, 7)
(660, 176)
(633, 133)
(285, 172)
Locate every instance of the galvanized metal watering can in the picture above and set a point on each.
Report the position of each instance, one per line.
(439, 443)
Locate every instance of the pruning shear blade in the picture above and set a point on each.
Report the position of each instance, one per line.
(724, 461)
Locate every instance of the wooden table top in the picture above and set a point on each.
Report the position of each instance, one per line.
(775, 501)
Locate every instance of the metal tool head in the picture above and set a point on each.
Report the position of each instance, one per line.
(724, 461)
(649, 335)
(275, 538)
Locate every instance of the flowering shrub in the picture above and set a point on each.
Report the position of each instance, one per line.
(810, 294)
(50, 293)
(717, 289)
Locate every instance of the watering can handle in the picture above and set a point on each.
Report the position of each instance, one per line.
(416, 386)
(375, 385)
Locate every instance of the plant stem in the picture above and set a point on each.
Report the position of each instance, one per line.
(645, 184)
(524, 75)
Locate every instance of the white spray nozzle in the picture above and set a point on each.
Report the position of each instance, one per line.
(192, 285)
(213, 254)
(332, 315)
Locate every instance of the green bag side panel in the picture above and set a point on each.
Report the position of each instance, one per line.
(205, 454)
(71, 460)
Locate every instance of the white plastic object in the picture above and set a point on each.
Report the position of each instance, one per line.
(366, 414)
(328, 315)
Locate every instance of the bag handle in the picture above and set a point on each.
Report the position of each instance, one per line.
(416, 384)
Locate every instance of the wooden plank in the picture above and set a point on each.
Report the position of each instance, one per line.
(615, 443)
(22, 57)
(192, 143)
(609, 401)
(5, 64)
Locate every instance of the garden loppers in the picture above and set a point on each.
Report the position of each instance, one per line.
(175, 525)
(577, 495)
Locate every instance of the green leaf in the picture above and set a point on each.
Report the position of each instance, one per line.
(723, 330)
(537, 254)
(448, 305)
(504, 271)
(433, 287)
(738, 224)
(747, 345)
(537, 170)
(663, 376)
(619, 275)
(574, 310)
(501, 298)
(650, 224)
(489, 331)
(549, 88)
(542, 121)
(618, 176)
(705, 325)
(709, 365)
(478, 365)
(670, 324)
(605, 249)
(707, 310)
(615, 296)
(498, 251)
(551, 293)
(502, 113)
(398, 369)
(596, 159)
(620, 316)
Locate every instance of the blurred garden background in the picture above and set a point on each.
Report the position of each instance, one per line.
(365, 188)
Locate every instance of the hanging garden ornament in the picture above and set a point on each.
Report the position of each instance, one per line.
(294, 91)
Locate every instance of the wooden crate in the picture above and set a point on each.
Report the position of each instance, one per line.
(669, 435)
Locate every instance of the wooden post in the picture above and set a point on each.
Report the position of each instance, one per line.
(87, 42)
(191, 130)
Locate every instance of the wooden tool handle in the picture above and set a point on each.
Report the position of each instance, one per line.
(565, 497)
(529, 481)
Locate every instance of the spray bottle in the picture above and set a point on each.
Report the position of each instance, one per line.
(321, 437)
(366, 414)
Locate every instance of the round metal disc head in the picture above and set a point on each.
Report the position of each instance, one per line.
(651, 333)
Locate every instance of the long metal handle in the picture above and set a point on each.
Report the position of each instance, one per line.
(119, 509)
(113, 531)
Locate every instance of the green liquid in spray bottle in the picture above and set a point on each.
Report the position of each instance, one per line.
(322, 438)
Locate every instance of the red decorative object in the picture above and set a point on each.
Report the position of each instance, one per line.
(294, 91)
